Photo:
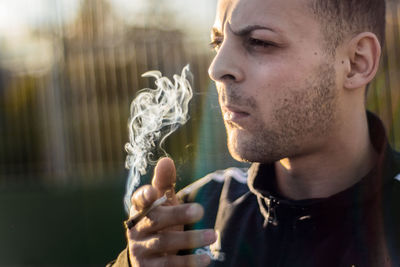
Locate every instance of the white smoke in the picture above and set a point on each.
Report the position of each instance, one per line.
(154, 115)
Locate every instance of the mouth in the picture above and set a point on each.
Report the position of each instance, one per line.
(234, 114)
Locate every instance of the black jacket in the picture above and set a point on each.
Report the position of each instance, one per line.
(357, 227)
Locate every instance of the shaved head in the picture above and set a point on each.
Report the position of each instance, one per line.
(344, 18)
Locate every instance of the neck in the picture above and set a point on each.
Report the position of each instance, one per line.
(341, 163)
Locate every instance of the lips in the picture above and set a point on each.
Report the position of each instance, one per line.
(234, 114)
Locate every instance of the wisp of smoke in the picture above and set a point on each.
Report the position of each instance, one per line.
(154, 115)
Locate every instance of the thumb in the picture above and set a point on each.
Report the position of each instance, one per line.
(164, 179)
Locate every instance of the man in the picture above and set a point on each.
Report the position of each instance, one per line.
(323, 190)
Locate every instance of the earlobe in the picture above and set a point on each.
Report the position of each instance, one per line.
(364, 53)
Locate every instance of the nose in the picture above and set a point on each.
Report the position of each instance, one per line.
(226, 65)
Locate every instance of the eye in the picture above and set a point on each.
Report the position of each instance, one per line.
(215, 44)
(259, 43)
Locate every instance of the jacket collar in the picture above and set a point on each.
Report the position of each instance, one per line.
(261, 181)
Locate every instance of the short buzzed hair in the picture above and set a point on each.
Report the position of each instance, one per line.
(342, 18)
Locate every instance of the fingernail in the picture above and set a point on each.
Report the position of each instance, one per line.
(209, 236)
(193, 210)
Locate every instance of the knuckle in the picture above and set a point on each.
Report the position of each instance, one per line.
(147, 224)
(136, 249)
(131, 235)
(162, 241)
(186, 238)
(154, 243)
(140, 199)
(178, 212)
(135, 196)
(153, 219)
(192, 239)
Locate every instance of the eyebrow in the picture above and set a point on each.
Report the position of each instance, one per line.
(248, 29)
(242, 32)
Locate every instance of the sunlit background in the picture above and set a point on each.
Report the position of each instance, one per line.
(68, 72)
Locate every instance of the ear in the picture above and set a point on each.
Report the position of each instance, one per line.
(364, 53)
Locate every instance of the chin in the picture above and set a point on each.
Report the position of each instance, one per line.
(248, 148)
(238, 156)
(241, 146)
(249, 152)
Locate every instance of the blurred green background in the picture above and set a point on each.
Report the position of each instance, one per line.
(68, 72)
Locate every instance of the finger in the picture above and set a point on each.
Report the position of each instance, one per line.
(166, 216)
(164, 174)
(143, 197)
(180, 261)
(172, 241)
(165, 178)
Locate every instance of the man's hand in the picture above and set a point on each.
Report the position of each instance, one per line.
(156, 239)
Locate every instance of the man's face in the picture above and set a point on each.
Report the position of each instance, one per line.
(276, 86)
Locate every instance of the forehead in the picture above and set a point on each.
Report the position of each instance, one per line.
(281, 15)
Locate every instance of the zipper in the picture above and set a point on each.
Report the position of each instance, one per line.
(268, 209)
(272, 218)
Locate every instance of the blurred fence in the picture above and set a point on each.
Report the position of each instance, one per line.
(384, 95)
(65, 93)
(66, 117)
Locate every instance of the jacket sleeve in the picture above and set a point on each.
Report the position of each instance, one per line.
(121, 261)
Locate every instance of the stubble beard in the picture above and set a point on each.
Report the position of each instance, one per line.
(307, 114)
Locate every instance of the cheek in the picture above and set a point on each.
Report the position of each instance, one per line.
(289, 67)
(278, 77)
(269, 86)
(278, 91)
(278, 72)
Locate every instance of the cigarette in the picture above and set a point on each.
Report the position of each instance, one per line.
(131, 222)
